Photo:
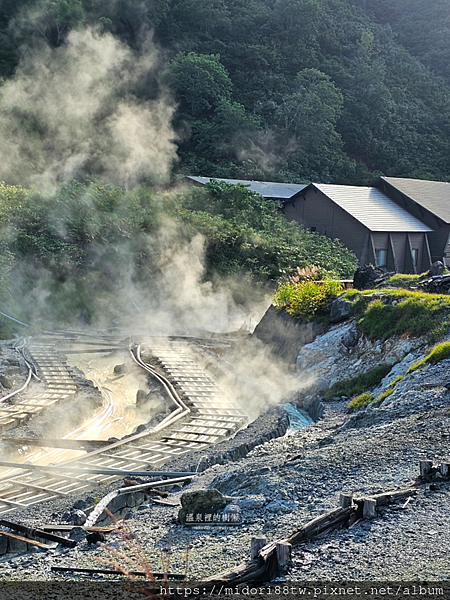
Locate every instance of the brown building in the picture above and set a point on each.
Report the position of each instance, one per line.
(428, 201)
(377, 229)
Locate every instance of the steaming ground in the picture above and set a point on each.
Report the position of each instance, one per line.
(71, 111)
(104, 409)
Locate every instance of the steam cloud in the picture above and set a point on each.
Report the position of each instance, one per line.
(72, 110)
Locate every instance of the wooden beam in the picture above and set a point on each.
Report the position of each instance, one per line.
(425, 467)
(94, 471)
(391, 243)
(257, 544)
(345, 500)
(22, 539)
(369, 507)
(372, 243)
(364, 250)
(411, 253)
(427, 246)
(51, 537)
(54, 443)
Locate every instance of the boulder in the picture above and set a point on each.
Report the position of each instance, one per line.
(233, 514)
(6, 382)
(285, 334)
(341, 310)
(351, 337)
(77, 533)
(437, 268)
(141, 398)
(95, 537)
(201, 502)
(367, 276)
(120, 369)
(78, 517)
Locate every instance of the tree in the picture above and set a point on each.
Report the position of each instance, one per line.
(200, 82)
(312, 111)
(57, 17)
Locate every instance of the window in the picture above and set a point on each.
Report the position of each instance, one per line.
(381, 256)
(415, 256)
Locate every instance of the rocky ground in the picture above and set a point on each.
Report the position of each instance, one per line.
(286, 482)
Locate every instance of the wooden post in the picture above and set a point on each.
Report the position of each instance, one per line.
(444, 469)
(369, 508)
(345, 500)
(257, 544)
(425, 467)
(283, 550)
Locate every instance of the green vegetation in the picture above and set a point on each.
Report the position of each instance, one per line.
(360, 401)
(439, 352)
(390, 389)
(88, 250)
(245, 233)
(306, 299)
(285, 90)
(396, 312)
(402, 281)
(358, 384)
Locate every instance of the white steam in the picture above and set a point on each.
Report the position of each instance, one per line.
(72, 110)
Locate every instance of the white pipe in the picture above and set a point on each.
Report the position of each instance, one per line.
(30, 374)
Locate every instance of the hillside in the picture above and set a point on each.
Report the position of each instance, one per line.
(286, 90)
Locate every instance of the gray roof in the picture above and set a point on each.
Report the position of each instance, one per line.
(268, 189)
(372, 208)
(432, 195)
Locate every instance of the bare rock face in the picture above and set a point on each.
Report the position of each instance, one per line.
(342, 352)
(285, 334)
(141, 398)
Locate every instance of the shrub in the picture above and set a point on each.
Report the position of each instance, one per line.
(402, 280)
(390, 389)
(306, 299)
(363, 399)
(306, 293)
(439, 352)
(357, 384)
(399, 312)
